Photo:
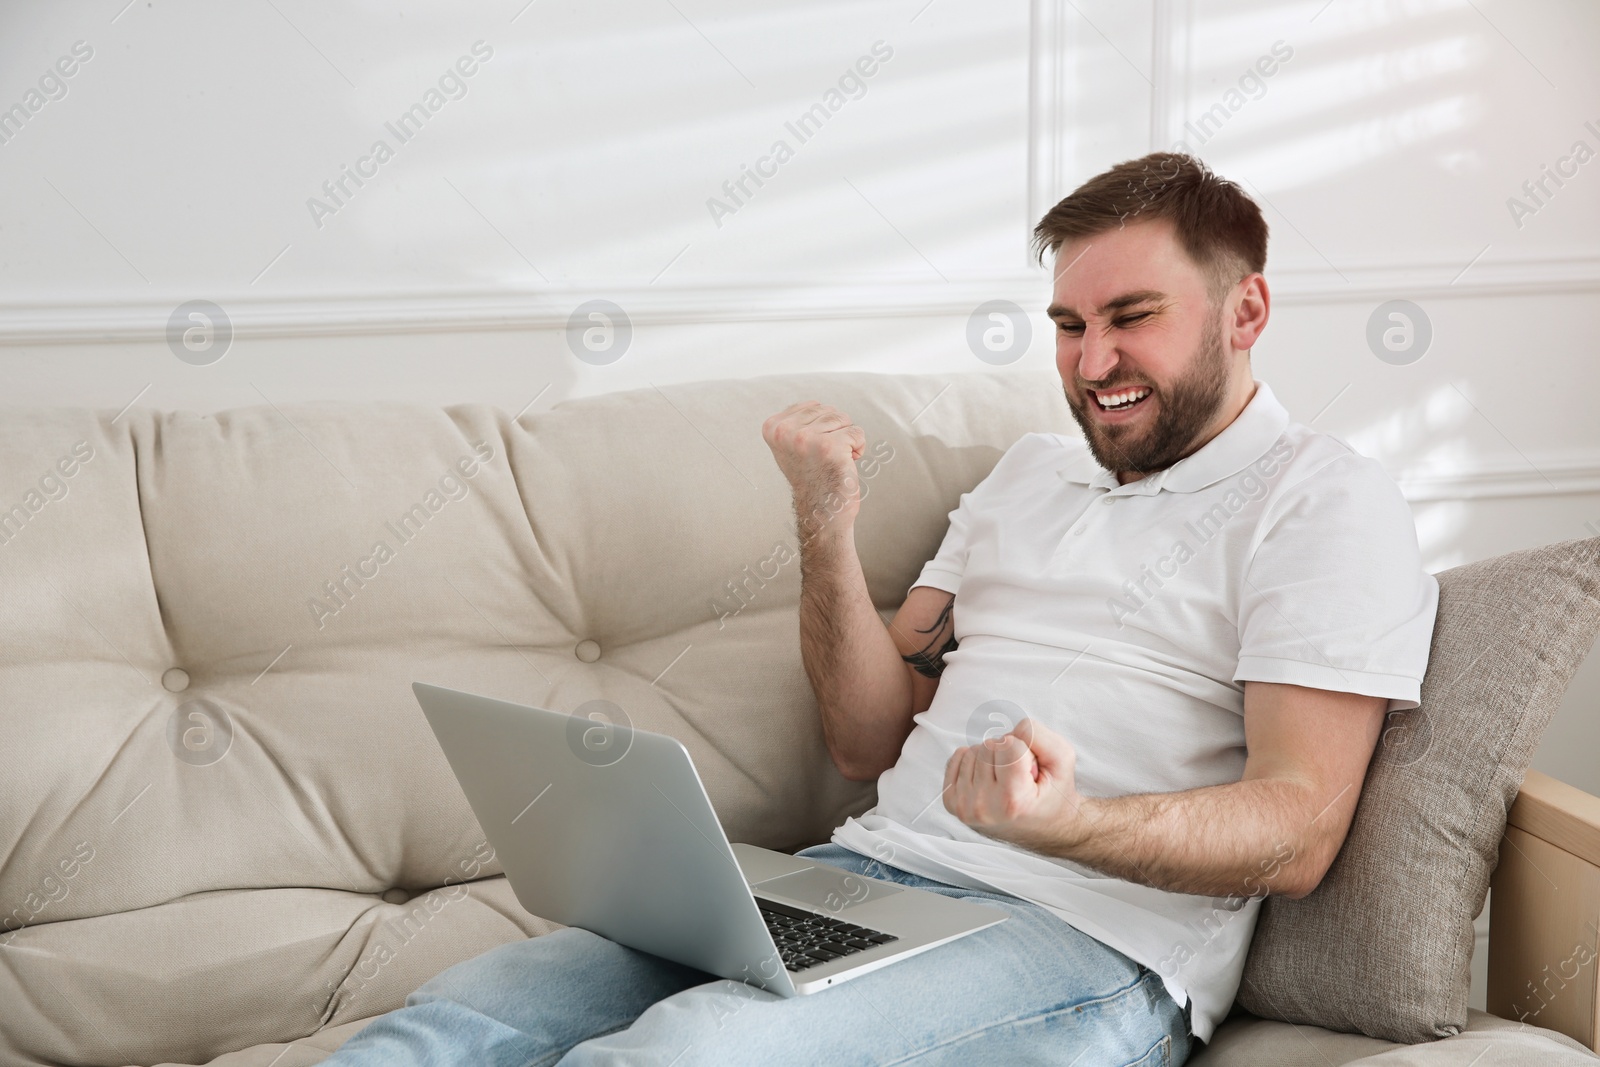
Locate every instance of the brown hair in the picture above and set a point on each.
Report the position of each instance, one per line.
(1219, 226)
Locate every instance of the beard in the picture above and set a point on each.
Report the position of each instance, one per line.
(1186, 408)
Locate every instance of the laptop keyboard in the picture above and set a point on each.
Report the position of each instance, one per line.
(806, 939)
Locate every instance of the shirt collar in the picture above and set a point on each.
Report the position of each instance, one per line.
(1244, 440)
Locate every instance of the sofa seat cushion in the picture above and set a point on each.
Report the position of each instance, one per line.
(125, 985)
(1244, 1040)
(299, 1053)
(1241, 1041)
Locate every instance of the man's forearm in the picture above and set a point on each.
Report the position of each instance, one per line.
(862, 686)
(1257, 836)
(1276, 830)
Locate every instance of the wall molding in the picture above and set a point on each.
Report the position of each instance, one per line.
(1436, 279)
(1050, 96)
(1574, 474)
(1172, 24)
(508, 308)
(433, 311)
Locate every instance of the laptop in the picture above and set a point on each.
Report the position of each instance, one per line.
(607, 827)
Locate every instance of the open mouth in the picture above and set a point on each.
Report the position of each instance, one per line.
(1118, 400)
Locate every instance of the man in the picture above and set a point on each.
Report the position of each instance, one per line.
(1154, 704)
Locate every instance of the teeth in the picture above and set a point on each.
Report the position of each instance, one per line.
(1112, 400)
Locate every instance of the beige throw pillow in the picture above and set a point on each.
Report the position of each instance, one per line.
(1383, 945)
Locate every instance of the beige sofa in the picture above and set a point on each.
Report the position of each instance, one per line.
(228, 835)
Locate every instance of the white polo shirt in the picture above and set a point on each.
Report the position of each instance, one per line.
(1127, 618)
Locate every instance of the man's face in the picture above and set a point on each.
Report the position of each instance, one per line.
(1133, 321)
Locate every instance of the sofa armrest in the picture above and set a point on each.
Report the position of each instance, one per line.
(1561, 814)
(1544, 912)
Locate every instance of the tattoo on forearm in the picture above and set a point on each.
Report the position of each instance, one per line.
(931, 664)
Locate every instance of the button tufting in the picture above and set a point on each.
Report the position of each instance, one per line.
(175, 680)
(395, 896)
(587, 650)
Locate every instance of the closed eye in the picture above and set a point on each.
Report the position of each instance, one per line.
(1075, 329)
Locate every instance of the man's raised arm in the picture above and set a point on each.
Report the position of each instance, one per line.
(861, 671)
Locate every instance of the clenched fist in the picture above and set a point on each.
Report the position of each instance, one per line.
(816, 447)
(1020, 787)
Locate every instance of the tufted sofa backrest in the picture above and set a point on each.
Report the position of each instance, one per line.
(223, 819)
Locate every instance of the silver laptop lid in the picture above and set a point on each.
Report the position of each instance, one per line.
(605, 827)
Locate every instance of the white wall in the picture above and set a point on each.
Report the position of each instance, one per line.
(1387, 147)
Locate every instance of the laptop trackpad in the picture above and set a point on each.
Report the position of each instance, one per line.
(827, 888)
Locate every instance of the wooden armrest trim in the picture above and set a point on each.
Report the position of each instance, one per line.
(1544, 917)
(1561, 814)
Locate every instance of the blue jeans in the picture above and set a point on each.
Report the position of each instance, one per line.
(1030, 990)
